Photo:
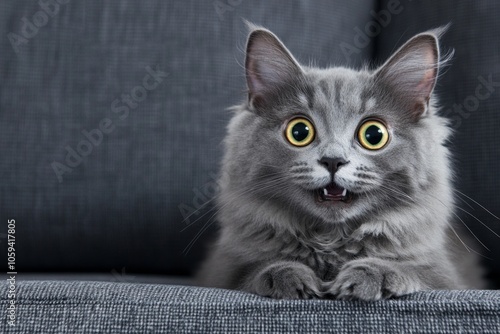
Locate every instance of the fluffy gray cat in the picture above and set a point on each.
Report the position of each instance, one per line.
(336, 182)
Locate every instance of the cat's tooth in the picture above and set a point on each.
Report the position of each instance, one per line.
(325, 191)
(344, 193)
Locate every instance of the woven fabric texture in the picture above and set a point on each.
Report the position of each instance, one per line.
(92, 307)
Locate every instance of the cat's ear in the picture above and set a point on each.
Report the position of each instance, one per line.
(269, 66)
(411, 72)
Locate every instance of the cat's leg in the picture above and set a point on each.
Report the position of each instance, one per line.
(285, 280)
(374, 279)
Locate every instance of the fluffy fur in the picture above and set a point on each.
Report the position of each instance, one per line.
(394, 237)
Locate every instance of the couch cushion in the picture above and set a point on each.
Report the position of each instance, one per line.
(73, 307)
(118, 276)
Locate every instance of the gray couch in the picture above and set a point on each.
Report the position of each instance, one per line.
(111, 119)
(99, 307)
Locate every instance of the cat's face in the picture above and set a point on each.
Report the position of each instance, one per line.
(337, 144)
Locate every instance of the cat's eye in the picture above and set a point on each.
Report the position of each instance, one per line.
(373, 135)
(299, 132)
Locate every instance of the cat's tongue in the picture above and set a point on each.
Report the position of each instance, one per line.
(333, 192)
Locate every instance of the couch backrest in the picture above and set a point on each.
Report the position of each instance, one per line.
(112, 115)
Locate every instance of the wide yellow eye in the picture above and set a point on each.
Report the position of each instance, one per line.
(373, 135)
(299, 132)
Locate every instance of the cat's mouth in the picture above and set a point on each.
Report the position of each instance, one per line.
(334, 193)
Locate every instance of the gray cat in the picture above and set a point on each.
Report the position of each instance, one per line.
(336, 182)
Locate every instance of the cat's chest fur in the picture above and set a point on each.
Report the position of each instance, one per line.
(323, 256)
(325, 251)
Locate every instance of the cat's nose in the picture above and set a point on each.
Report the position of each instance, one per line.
(332, 164)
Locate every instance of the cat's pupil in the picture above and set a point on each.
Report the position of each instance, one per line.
(300, 131)
(374, 134)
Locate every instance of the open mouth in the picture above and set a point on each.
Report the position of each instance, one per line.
(334, 193)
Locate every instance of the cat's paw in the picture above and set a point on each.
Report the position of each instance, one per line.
(372, 279)
(287, 280)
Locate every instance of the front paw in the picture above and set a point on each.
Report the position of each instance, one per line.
(286, 280)
(372, 279)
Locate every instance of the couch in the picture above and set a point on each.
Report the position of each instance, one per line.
(111, 121)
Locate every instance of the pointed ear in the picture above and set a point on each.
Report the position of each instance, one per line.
(411, 72)
(269, 66)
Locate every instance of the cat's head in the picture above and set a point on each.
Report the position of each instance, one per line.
(338, 144)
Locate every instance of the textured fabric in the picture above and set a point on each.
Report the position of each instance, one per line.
(118, 276)
(119, 206)
(472, 106)
(90, 307)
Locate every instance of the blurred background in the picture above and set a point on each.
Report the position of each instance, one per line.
(112, 116)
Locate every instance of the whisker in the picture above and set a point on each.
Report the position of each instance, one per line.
(464, 201)
(463, 243)
(238, 194)
(210, 221)
(467, 227)
(464, 195)
(468, 248)
(196, 237)
(196, 212)
(213, 199)
(471, 199)
(470, 214)
(461, 220)
(398, 192)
